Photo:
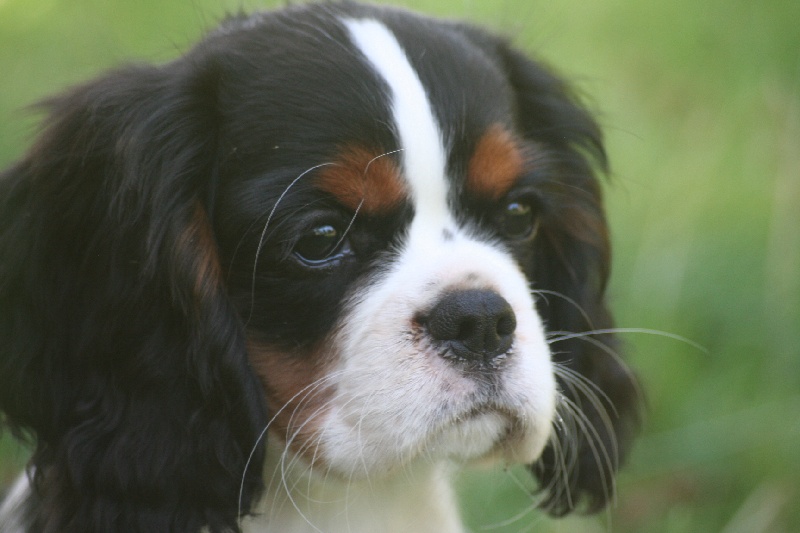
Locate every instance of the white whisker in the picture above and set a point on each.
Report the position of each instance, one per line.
(315, 384)
(366, 168)
(563, 336)
(603, 460)
(264, 232)
(567, 299)
(566, 456)
(589, 391)
(520, 515)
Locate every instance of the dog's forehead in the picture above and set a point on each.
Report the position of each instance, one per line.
(419, 135)
(431, 138)
(399, 103)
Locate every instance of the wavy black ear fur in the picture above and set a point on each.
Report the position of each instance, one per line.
(572, 258)
(120, 354)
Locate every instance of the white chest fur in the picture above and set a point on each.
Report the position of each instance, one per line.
(298, 500)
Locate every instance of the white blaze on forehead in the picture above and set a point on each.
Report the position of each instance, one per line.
(423, 153)
(421, 397)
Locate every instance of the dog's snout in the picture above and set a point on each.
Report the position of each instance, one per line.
(474, 325)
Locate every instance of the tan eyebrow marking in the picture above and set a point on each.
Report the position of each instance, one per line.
(496, 164)
(364, 179)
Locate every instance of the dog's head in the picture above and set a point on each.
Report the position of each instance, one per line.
(378, 235)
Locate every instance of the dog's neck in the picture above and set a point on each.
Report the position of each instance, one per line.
(297, 499)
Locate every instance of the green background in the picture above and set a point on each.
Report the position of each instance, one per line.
(700, 101)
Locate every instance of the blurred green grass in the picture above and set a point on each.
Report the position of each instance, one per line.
(700, 101)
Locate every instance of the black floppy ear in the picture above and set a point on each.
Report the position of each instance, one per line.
(120, 353)
(600, 406)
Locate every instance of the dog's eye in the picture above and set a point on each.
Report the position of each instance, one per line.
(321, 245)
(518, 220)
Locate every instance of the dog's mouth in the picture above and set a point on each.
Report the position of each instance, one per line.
(479, 412)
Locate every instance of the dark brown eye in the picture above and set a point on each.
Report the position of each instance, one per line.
(518, 220)
(320, 245)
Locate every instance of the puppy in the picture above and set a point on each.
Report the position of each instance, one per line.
(290, 280)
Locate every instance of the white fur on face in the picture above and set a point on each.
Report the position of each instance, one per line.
(396, 400)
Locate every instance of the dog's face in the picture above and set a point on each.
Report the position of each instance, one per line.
(389, 225)
(369, 232)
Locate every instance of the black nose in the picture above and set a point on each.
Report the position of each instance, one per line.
(474, 325)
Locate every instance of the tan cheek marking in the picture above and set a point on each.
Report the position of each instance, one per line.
(196, 254)
(496, 164)
(365, 180)
(296, 398)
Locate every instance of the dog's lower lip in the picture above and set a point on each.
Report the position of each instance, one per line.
(470, 415)
(479, 411)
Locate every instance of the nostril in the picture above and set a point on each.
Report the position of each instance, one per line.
(473, 324)
(506, 323)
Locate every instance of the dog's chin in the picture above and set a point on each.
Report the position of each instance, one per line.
(480, 437)
(487, 437)
(476, 437)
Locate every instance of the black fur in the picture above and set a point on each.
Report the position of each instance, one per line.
(129, 234)
(134, 383)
